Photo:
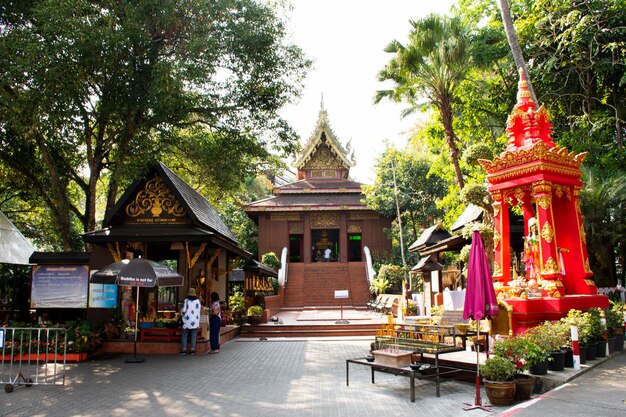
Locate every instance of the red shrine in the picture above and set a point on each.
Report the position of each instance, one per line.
(544, 182)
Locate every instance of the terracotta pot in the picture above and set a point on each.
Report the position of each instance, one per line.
(524, 387)
(500, 393)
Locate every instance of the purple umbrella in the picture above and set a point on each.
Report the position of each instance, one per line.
(480, 298)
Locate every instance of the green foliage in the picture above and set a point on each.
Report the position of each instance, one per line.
(596, 326)
(615, 319)
(255, 310)
(549, 336)
(237, 302)
(270, 259)
(88, 85)
(437, 311)
(581, 321)
(379, 285)
(394, 275)
(521, 351)
(498, 369)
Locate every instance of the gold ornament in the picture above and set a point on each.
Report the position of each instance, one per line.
(550, 267)
(497, 270)
(546, 232)
(544, 201)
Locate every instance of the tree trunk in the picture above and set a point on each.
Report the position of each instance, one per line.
(511, 36)
(446, 119)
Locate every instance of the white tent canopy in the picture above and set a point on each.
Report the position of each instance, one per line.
(14, 248)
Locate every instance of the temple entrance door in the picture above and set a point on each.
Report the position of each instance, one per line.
(354, 247)
(324, 245)
(296, 247)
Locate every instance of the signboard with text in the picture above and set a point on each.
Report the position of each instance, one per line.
(103, 295)
(341, 293)
(59, 286)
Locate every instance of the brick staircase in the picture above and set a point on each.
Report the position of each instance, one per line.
(314, 285)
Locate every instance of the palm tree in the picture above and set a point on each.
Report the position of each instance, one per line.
(511, 36)
(427, 71)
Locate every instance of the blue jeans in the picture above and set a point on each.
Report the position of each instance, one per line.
(214, 332)
(183, 342)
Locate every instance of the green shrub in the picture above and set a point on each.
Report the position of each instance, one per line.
(520, 351)
(497, 368)
(596, 327)
(549, 336)
(237, 302)
(255, 310)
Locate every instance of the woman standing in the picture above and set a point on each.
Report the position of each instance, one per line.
(215, 322)
(191, 321)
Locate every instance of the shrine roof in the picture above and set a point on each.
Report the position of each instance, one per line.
(320, 186)
(427, 263)
(317, 201)
(322, 128)
(429, 237)
(471, 213)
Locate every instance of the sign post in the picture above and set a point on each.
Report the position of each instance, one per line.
(341, 294)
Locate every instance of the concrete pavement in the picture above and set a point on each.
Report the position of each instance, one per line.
(253, 378)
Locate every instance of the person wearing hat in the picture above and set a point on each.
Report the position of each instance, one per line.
(191, 321)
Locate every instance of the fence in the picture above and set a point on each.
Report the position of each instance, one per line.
(32, 356)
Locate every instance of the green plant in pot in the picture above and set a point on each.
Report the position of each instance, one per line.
(498, 374)
(254, 314)
(597, 327)
(615, 324)
(237, 305)
(521, 351)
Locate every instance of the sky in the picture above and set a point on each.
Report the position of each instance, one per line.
(346, 41)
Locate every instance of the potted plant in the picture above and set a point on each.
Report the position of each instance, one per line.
(498, 374)
(522, 353)
(254, 314)
(237, 306)
(615, 326)
(596, 330)
(579, 319)
(550, 337)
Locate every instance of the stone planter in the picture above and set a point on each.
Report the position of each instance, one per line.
(540, 368)
(397, 358)
(558, 361)
(524, 387)
(500, 393)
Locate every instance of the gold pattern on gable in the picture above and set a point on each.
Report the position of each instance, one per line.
(325, 220)
(323, 158)
(278, 217)
(156, 198)
(544, 201)
(550, 267)
(547, 233)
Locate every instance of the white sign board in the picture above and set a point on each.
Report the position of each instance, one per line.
(341, 293)
(1, 338)
(434, 280)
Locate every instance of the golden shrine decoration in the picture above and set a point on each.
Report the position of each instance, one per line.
(544, 201)
(496, 238)
(590, 282)
(583, 235)
(547, 233)
(496, 208)
(519, 194)
(558, 190)
(497, 270)
(325, 220)
(587, 267)
(277, 217)
(354, 228)
(550, 267)
(296, 228)
(156, 197)
(323, 158)
(115, 252)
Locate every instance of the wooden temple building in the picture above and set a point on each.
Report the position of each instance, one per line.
(321, 227)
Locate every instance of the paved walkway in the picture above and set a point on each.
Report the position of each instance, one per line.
(248, 379)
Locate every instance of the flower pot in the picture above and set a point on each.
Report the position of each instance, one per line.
(619, 342)
(569, 358)
(524, 387)
(591, 351)
(611, 343)
(540, 368)
(583, 353)
(500, 393)
(558, 361)
(601, 349)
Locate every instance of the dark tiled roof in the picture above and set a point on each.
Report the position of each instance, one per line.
(254, 265)
(317, 186)
(53, 258)
(198, 208)
(471, 213)
(429, 237)
(318, 201)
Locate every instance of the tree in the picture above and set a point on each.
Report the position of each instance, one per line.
(93, 92)
(511, 36)
(430, 67)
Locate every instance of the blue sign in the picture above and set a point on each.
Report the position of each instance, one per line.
(1, 338)
(59, 286)
(102, 295)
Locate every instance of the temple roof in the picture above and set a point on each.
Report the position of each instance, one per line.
(324, 133)
(300, 202)
(320, 186)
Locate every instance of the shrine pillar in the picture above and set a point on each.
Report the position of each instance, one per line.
(548, 249)
(501, 239)
(586, 285)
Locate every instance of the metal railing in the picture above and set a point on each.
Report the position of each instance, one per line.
(32, 356)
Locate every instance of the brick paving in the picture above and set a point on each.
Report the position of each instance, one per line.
(253, 378)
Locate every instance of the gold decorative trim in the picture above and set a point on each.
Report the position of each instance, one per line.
(547, 233)
(544, 201)
(558, 190)
(583, 235)
(496, 195)
(519, 194)
(497, 270)
(496, 238)
(325, 220)
(587, 267)
(363, 216)
(277, 217)
(496, 208)
(550, 267)
(156, 197)
(296, 228)
(590, 282)
(539, 151)
(542, 186)
(354, 228)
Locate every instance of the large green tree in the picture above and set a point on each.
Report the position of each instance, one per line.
(93, 91)
(427, 70)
